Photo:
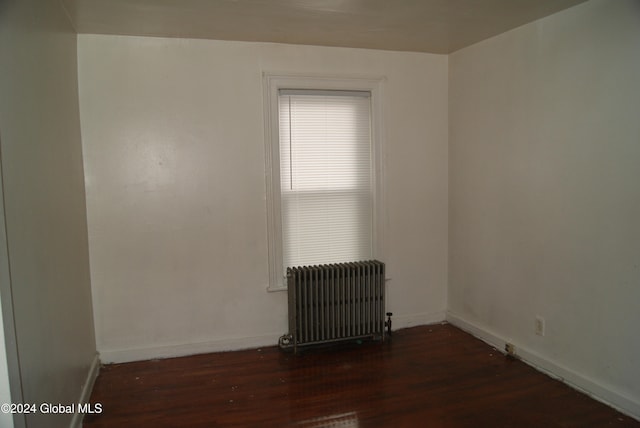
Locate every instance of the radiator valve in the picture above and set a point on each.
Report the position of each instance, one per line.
(285, 341)
(387, 323)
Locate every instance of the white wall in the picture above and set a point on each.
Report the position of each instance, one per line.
(174, 160)
(544, 193)
(44, 207)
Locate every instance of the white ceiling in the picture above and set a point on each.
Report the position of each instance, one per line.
(436, 26)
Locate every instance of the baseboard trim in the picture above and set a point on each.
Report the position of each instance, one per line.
(110, 356)
(412, 320)
(584, 384)
(87, 388)
(113, 356)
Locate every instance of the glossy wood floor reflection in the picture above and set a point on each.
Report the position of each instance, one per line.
(431, 376)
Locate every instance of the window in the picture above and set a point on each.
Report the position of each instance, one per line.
(322, 173)
(325, 176)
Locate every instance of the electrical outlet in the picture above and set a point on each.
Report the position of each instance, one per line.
(510, 349)
(539, 326)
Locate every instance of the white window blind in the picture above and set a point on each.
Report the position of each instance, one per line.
(325, 176)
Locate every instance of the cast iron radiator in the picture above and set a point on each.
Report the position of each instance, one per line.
(335, 302)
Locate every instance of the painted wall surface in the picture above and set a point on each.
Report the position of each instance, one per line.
(174, 154)
(44, 202)
(544, 190)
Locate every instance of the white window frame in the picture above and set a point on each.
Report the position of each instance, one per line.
(272, 83)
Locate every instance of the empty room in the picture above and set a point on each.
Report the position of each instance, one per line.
(337, 213)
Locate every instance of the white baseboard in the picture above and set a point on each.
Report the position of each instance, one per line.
(582, 383)
(87, 388)
(411, 320)
(108, 356)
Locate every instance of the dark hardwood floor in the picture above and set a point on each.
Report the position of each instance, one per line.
(430, 376)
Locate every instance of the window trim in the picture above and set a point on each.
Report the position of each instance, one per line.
(272, 84)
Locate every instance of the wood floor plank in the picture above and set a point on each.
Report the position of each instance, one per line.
(433, 376)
